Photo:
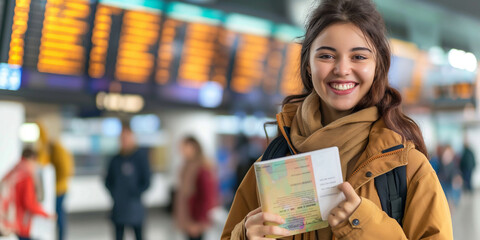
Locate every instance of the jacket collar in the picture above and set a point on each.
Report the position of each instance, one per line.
(385, 150)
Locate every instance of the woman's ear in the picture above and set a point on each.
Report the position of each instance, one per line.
(309, 72)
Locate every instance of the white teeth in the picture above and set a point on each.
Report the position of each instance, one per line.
(343, 86)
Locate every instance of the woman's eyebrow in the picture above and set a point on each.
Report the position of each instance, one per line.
(327, 48)
(352, 50)
(361, 49)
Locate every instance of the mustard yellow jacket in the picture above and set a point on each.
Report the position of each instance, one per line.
(62, 160)
(426, 215)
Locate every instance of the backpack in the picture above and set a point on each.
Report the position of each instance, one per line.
(8, 207)
(391, 186)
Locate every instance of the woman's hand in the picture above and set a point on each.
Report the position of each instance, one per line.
(346, 208)
(256, 228)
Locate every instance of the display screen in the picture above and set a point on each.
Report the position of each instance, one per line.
(189, 46)
(50, 36)
(176, 48)
(48, 40)
(124, 39)
(63, 41)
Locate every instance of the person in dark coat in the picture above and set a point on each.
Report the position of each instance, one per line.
(127, 178)
(467, 165)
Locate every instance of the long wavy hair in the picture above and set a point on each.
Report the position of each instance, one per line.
(363, 14)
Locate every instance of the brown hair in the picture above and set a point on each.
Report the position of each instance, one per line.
(363, 14)
(28, 154)
(191, 140)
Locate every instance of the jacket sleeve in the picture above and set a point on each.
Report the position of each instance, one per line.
(426, 216)
(109, 182)
(29, 200)
(145, 175)
(245, 201)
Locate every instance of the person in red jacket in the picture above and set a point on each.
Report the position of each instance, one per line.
(197, 192)
(26, 201)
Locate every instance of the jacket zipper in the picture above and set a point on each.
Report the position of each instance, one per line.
(373, 158)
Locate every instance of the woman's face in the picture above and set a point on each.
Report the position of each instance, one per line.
(342, 65)
(187, 150)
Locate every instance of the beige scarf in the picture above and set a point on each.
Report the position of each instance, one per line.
(349, 133)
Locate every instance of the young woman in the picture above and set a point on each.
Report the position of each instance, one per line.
(348, 103)
(197, 192)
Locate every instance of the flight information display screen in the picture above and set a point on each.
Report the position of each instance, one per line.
(189, 47)
(169, 50)
(125, 42)
(251, 46)
(49, 37)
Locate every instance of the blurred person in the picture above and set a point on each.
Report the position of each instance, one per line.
(128, 177)
(435, 158)
(53, 152)
(450, 176)
(467, 165)
(197, 192)
(22, 181)
(246, 153)
(347, 102)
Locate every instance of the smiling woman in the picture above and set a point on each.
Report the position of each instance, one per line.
(342, 68)
(347, 103)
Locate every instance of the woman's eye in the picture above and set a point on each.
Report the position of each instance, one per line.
(325, 56)
(359, 57)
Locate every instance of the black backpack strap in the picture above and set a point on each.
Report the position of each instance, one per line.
(278, 147)
(392, 191)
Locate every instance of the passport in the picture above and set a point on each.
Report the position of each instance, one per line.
(301, 188)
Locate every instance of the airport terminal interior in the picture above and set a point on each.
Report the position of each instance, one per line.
(79, 76)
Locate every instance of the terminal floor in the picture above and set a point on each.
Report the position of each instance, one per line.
(159, 226)
(465, 218)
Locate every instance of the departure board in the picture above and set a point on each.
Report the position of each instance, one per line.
(251, 48)
(197, 55)
(46, 41)
(288, 49)
(64, 37)
(19, 27)
(274, 67)
(290, 82)
(50, 36)
(125, 41)
(177, 51)
(101, 39)
(189, 48)
(136, 49)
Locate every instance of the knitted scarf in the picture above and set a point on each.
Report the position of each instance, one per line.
(349, 133)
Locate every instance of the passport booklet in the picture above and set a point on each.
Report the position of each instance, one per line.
(301, 188)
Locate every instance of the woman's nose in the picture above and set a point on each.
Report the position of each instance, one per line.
(342, 67)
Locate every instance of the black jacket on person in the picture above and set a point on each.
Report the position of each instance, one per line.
(467, 162)
(127, 178)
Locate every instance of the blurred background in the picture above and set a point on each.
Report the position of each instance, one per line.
(217, 70)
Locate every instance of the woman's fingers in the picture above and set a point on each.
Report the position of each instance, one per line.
(275, 230)
(257, 229)
(260, 218)
(339, 213)
(257, 210)
(336, 216)
(260, 231)
(332, 220)
(346, 208)
(350, 194)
